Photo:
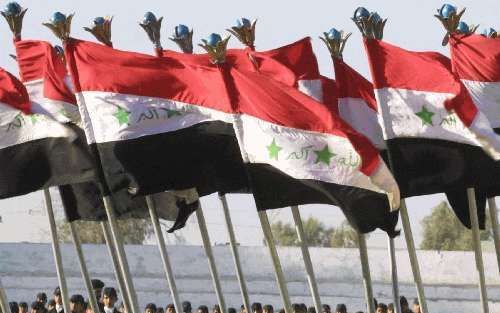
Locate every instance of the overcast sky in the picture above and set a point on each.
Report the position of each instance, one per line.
(411, 24)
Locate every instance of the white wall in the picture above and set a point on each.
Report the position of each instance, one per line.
(450, 277)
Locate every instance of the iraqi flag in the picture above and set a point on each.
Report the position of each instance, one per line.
(357, 105)
(437, 138)
(36, 152)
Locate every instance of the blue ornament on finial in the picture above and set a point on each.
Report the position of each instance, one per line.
(99, 20)
(12, 8)
(214, 39)
(58, 17)
(243, 22)
(181, 31)
(59, 49)
(463, 28)
(149, 17)
(334, 34)
(447, 10)
(360, 13)
(375, 17)
(488, 32)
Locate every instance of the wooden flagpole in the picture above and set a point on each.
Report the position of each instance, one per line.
(4, 303)
(365, 268)
(162, 246)
(394, 274)
(234, 251)
(492, 209)
(210, 258)
(56, 249)
(114, 260)
(477, 249)
(311, 278)
(278, 271)
(83, 267)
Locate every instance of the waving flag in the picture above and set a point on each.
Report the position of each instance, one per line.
(436, 136)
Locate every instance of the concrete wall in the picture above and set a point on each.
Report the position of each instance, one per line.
(450, 277)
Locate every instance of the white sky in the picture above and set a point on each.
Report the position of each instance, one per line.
(411, 25)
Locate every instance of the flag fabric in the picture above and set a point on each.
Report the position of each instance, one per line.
(437, 138)
(36, 152)
(358, 107)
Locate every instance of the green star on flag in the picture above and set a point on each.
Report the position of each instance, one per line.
(34, 118)
(122, 116)
(324, 155)
(171, 113)
(426, 116)
(274, 150)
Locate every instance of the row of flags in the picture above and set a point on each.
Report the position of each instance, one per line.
(98, 121)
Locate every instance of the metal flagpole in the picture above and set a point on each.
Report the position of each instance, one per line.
(394, 275)
(278, 271)
(4, 303)
(492, 208)
(410, 244)
(120, 253)
(56, 250)
(365, 268)
(83, 267)
(477, 248)
(210, 257)
(116, 267)
(163, 253)
(234, 251)
(311, 278)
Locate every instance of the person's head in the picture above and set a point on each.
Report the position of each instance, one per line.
(57, 295)
(150, 308)
(390, 308)
(23, 307)
(42, 298)
(202, 309)
(51, 305)
(381, 308)
(231, 310)
(170, 308)
(37, 307)
(160, 310)
(97, 286)
(416, 306)
(282, 310)
(326, 309)
(256, 307)
(311, 309)
(268, 308)
(14, 307)
(186, 307)
(109, 297)
(77, 304)
(341, 308)
(295, 308)
(403, 302)
(242, 309)
(216, 309)
(303, 308)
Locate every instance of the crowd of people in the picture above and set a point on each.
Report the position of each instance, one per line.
(107, 300)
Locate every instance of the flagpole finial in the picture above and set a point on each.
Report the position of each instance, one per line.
(14, 14)
(216, 47)
(60, 25)
(152, 27)
(183, 37)
(335, 42)
(370, 24)
(101, 29)
(490, 33)
(450, 17)
(244, 30)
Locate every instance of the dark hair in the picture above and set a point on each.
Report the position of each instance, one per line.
(171, 306)
(150, 306)
(382, 306)
(37, 306)
(390, 306)
(296, 307)
(231, 310)
(268, 308)
(203, 308)
(311, 309)
(341, 308)
(326, 307)
(57, 291)
(159, 310)
(256, 306)
(186, 306)
(403, 301)
(415, 301)
(41, 296)
(282, 310)
(23, 305)
(14, 307)
(216, 308)
(110, 292)
(97, 284)
(77, 299)
(51, 302)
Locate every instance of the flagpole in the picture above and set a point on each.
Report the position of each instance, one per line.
(56, 250)
(365, 268)
(83, 267)
(477, 248)
(278, 271)
(114, 261)
(120, 253)
(410, 245)
(210, 257)
(234, 251)
(394, 275)
(163, 253)
(492, 208)
(299, 227)
(4, 303)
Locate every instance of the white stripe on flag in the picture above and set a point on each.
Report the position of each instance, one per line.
(486, 96)
(311, 87)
